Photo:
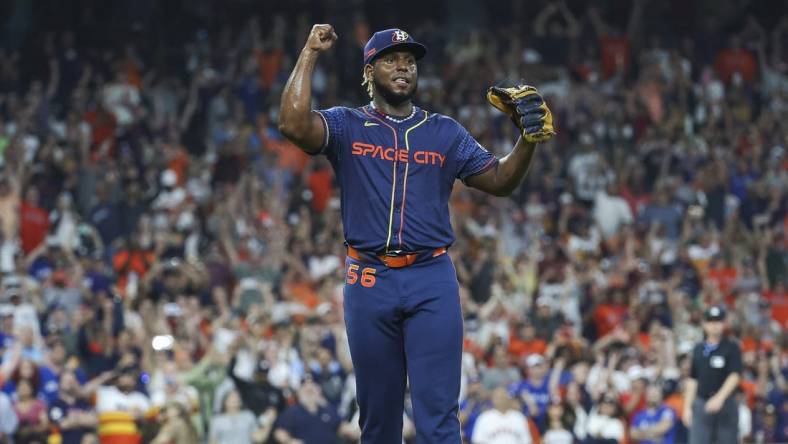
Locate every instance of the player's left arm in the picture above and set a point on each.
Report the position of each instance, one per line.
(503, 178)
(530, 114)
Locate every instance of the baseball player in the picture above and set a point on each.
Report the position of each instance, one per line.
(396, 164)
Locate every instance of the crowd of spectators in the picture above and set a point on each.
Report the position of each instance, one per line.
(172, 267)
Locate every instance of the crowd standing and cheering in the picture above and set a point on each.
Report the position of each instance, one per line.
(172, 267)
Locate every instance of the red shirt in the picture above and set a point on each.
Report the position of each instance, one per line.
(729, 61)
(125, 261)
(607, 317)
(723, 277)
(613, 49)
(320, 185)
(520, 348)
(626, 397)
(33, 226)
(779, 303)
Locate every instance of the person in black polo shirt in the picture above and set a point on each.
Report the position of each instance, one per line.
(710, 412)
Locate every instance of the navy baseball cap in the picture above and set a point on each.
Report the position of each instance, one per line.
(387, 39)
(714, 313)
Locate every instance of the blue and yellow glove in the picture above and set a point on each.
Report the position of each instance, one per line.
(527, 109)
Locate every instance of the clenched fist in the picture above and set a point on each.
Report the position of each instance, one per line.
(321, 38)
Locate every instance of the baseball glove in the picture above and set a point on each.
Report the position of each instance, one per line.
(527, 109)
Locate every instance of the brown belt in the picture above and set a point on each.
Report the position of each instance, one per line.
(398, 261)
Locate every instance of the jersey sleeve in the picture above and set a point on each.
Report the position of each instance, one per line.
(334, 121)
(472, 158)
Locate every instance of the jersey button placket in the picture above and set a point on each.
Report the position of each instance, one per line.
(401, 184)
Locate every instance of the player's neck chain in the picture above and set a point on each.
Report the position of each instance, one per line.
(412, 113)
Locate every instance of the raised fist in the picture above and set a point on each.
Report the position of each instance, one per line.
(321, 38)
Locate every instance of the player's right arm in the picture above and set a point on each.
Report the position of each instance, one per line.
(297, 122)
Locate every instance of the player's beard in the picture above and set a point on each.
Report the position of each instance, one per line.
(391, 97)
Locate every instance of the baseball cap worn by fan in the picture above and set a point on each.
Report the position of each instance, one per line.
(534, 359)
(390, 39)
(714, 313)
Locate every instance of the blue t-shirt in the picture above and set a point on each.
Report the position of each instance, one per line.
(474, 410)
(47, 389)
(540, 393)
(320, 428)
(395, 179)
(649, 418)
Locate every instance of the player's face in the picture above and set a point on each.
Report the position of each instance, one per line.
(395, 76)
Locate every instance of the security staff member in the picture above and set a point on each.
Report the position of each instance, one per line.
(710, 412)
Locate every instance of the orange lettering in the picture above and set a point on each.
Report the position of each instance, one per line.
(388, 154)
(368, 277)
(358, 147)
(352, 276)
(418, 156)
(378, 152)
(403, 156)
(368, 149)
(442, 158)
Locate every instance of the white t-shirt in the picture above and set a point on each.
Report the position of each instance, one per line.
(110, 399)
(494, 427)
(610, 213)
(558, 437)
(600, 426)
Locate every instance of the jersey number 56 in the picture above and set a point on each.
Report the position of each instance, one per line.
(367, 276)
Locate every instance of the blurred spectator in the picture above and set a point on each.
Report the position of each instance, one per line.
(119, 405)
(236, 426)
(71, 415)
(560, 422)
(8, 419)
(540, 385)
(503, 424)
(176, 427)
(259, 395)
(475, 402)
(656, 422)
(605, 424)
(32, 414)
(501, 372)
(311, 421)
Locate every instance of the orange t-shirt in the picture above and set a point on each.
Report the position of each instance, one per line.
(320, 185)
(520, 348)
(723, 277)
(304, 293)
(138, 262)
(676, 402)
(607, 317)
(269, 64)
(288, 155)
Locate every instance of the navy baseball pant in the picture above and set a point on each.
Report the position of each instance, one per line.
(405, 324)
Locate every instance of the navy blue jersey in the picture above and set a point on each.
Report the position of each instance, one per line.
(395, 179)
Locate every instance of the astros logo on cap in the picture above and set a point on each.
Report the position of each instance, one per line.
(399, 36)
